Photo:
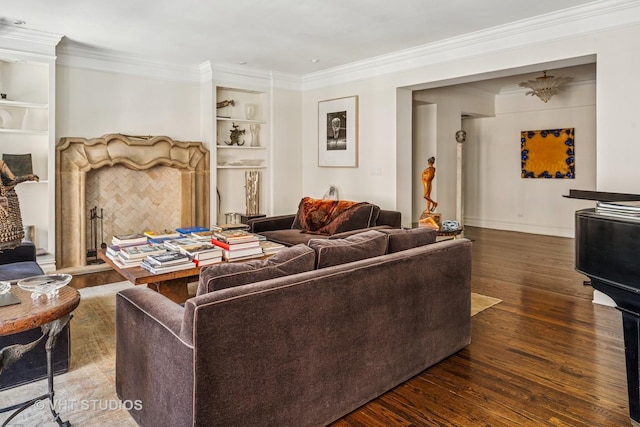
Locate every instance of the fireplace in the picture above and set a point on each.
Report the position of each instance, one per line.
(176, 171)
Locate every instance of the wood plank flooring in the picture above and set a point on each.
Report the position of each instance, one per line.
(546, 355)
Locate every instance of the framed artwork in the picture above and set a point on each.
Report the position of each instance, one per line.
(338, 132)
(548, 153)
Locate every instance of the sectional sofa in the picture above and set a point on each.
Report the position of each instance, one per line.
(324, 219)
(299, 339)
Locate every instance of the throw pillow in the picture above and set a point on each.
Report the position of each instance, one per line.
(400, 239)
(293, 260)
(363, 245)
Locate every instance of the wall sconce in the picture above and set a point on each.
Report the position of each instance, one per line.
(546, 86)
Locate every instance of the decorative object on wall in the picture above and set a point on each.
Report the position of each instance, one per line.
(338, 132)
(546, 86)
(252, 191)
(548, 153)
(461, 135)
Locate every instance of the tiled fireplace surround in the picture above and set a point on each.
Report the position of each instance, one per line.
(140, 182)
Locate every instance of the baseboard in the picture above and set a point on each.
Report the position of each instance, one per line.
(522, 228)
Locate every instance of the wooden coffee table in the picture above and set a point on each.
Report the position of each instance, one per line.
(172, 284)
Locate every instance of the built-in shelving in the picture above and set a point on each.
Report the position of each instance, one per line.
(27, 121)
(228, 159)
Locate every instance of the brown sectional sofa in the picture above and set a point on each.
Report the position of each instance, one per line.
(292, 229)
(295, 348)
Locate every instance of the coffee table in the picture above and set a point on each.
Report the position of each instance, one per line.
(172, 284)
(51, 315)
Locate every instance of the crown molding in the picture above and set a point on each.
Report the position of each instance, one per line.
(572, 22)
(600, 15)
(247, 77)
(74, 56)
(27, 40)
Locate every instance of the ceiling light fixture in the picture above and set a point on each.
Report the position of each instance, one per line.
(19, 22)
(242, 62)
(546, 86)
(315, 61)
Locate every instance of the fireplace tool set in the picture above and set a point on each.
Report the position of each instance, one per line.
(94, 218)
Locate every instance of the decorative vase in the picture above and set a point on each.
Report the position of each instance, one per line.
(250, 111)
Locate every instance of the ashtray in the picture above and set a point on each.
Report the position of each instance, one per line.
(44, 285)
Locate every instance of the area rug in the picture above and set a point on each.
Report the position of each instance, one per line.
(85, 395)
(482, 302)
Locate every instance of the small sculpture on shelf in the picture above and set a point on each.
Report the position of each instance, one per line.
(235, 135)
(225, 103)
(252, 192)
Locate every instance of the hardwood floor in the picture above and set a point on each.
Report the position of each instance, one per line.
(544, 356)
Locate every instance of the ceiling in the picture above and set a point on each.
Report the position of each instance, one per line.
(278, 35)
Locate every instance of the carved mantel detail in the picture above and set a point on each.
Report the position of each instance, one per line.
(77, 156)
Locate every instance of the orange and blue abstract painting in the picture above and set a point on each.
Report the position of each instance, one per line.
(548, 153)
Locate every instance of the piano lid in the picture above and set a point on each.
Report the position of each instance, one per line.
(608, 249)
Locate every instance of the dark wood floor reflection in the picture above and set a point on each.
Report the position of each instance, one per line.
(546, 355)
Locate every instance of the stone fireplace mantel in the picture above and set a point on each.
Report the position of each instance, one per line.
(77, 156)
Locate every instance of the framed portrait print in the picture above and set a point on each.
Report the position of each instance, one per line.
(338, 132)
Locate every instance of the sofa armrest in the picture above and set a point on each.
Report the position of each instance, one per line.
(390, 218)
(152, 361)
(25, 252)
(271, 223)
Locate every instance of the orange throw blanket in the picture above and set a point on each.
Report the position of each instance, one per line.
(315, 214)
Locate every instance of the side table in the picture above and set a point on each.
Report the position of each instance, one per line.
(51, 316)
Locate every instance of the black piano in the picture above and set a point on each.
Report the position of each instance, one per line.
(608, 252)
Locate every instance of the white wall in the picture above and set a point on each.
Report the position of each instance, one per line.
(374, 178)
(287, 169)
(93, 103)
(495, 194)
(615, 125)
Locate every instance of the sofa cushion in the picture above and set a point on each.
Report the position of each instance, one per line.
(293, 260)
(333, 216)
(19, 270)
(400, 239)
(330, 252)
(290, 237)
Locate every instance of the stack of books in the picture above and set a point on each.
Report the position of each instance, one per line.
(176, 244)
(129, 239)
(166, 262)
(202, 253)
(620, 209)
(161, 235)
(204, 236)
(237, 244)
(270, 248)
(132, 256)
(186, 231)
